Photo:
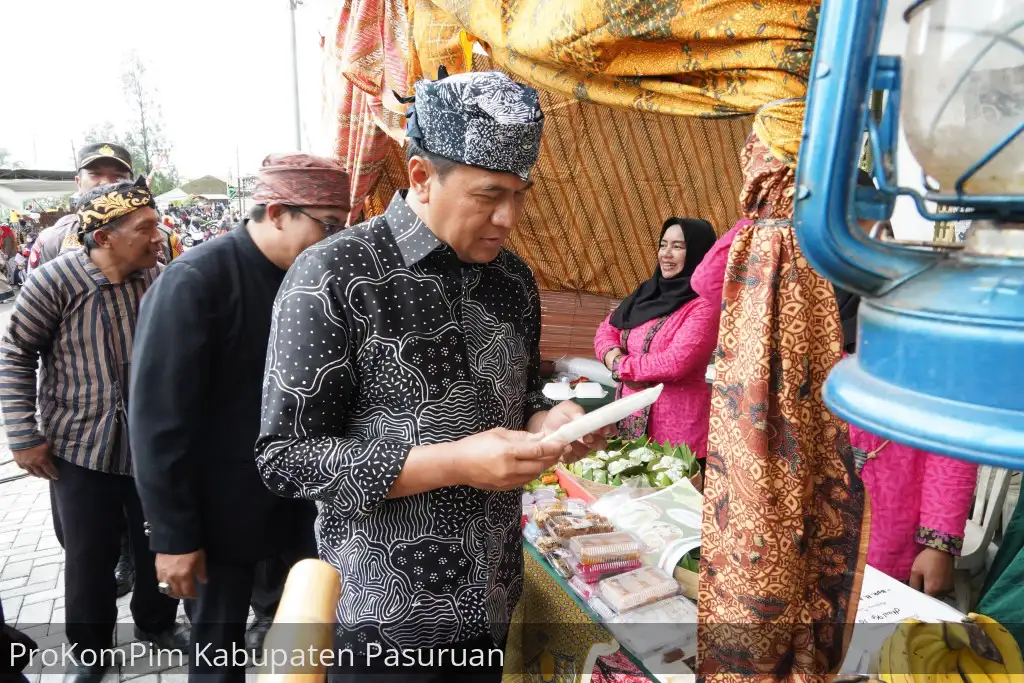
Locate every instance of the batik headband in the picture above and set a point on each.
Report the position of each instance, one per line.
(482, 119)
(302, 180)
(99, 211)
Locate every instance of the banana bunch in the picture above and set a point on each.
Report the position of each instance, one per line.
(976, 650)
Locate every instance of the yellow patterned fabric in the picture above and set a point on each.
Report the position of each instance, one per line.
(696, 58)
(592, 220)
(550, 636)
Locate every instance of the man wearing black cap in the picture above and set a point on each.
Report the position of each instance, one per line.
(100, 163)
(403, 390)
(77, 315)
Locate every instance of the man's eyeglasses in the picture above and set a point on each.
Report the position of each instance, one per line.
(329, 227)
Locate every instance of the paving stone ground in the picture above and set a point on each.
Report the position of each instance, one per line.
(32, 586)
(32, 580)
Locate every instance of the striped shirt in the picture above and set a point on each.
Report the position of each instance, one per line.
(81, 326)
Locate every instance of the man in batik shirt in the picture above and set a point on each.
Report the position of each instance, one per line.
(403, 387)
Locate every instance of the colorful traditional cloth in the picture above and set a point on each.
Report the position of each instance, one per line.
(482, 119)
(768, 182)
(101, 210)
(716, 59)
(301, 180)
(550, 637)
(617, 668)
(918, 500)
(365, 62)
(784, 535)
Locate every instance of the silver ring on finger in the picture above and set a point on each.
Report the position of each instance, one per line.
(165, 588)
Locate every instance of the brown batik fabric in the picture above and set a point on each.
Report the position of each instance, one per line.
(786, 517)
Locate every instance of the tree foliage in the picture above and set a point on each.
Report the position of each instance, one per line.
(62, 203)
(7, 160)
(144, 138)
(165, 181)
(146, 131)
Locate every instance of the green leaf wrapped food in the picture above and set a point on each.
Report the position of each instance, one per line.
(625, 467)
(643, 454)
(665, 462)
(661, 480)
(691, 561)
(637, 481)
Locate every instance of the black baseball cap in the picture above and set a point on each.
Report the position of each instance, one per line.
(104, 150)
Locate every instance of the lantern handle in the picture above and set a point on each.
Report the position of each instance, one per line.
(844, 71)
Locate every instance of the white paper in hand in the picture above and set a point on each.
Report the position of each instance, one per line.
(605, 415)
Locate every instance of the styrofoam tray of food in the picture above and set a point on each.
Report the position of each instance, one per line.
(586, 367)
(561, 391)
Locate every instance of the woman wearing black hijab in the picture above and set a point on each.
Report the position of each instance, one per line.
(664, 333)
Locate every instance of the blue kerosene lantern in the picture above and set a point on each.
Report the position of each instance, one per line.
(940, 348)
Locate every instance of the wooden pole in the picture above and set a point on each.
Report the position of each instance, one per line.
(304, 623)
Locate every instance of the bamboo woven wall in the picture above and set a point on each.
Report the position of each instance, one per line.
(606, 181)
(569, 321)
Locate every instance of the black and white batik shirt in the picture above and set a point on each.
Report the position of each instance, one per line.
(382, 340)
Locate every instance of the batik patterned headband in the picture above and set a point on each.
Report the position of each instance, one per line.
(100, 211)
(482, 119)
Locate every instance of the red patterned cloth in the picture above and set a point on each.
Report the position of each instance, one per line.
(617, 668)
(301, 180)
(786, 518)
(365, 64)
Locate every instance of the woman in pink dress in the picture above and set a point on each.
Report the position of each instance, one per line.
(664, 333)
(919, 500)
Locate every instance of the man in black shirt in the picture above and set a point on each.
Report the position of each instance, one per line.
(403, 385)
(196, 388)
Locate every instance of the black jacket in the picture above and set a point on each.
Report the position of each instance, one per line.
(194, 412)
(848, 303)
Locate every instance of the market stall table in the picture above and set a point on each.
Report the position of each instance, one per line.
(554, 630)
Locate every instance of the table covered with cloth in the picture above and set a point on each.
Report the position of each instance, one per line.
(552, 633)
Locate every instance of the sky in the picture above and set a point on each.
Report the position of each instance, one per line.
(222, 70)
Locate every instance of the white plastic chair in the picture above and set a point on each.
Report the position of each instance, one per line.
(993, 483)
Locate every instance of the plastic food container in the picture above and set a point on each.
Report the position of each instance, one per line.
(590, 390)
(617, 546)
(601, 608)
(561, 561)
(531, 532)
(529, 508)
(637, 588)
(558, 391)
(585, 590)
(546, 543)
(661, 627)
(544, 495)
(592, 573)
(565, 528)
(546, 511)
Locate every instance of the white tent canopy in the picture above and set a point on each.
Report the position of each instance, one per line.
(15, 191)
(175, 195)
